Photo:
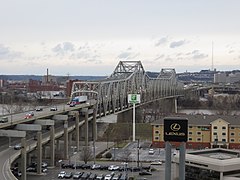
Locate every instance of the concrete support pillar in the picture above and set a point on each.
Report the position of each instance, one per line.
(221, 175)
(77, 130)
(168, 160)
(175, 105)
(66, 139)
(58, 147)
(86, 127)
(23, 159)
(52, 146)
(94, 129)
(39, 152)
(44, 152)
(70, 137)
(175, 171)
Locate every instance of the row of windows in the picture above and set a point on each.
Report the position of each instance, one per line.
(204, 127)
(200, 139)
(224, 134)
(199, 133)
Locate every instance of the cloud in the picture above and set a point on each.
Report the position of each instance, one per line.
(197, 55)
(128, 54)
(7, 53)
(63, 48)
(175, 44)
(161, 41)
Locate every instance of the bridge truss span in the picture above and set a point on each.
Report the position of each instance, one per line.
(129, 77)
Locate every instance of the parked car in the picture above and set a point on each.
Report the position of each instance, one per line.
(109, 176)
(92, 177)
(156, 163)
(95, 166)
(62, 174)
(142, 173)
(116, 176)
(77, 175)
(3, 119)
(68, 175)
(113, 167)
(100, 177)
(85, 175)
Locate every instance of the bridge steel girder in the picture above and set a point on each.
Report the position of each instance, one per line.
(128, 77)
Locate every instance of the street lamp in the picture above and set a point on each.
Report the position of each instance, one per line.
(60, 164)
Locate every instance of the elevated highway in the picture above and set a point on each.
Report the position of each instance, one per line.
(109, 96)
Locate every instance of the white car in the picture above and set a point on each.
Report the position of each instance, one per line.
(113, 167)
(156, 163)
(62, 174)
(151, 152)
(53, 109)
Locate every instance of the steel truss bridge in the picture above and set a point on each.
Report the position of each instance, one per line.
(129, 77)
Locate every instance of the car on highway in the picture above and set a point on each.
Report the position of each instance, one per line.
(3, 119)
(17, 147)
(62, 174)
(28, 116)
(39, 109)
(53, 108)
(151, 152)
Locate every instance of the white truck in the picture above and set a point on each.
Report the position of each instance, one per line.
(80, 99)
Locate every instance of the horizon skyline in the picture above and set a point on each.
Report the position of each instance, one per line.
(90, 38)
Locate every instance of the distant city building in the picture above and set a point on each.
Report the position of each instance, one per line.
(224, 77)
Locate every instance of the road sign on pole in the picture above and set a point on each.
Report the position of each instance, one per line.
(133, 99)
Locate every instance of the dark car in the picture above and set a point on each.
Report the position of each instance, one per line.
(86, 166)
(92, 177)
(68, 175)
(142, 173)
(39, 109)
(86, 175)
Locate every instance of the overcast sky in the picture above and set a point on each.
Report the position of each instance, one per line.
(90, 37)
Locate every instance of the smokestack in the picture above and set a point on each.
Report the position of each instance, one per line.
(47, 75)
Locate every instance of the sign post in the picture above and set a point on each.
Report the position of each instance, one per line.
(175, 130)
(134, 98)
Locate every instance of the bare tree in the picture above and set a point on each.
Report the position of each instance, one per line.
(86, 154)
(126, 155)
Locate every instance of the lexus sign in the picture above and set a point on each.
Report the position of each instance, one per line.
(175, 129)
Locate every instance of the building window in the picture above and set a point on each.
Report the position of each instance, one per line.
(190, 127)
(199, 127)
(224, 134)
(215, 127)
(199, 133)
(199, 139)
(190, 132)
(156, 138)
(232, 128)
(157, 126)
(224, 127)
(215, 133)
(190, 139)
(156, 132)
(232, 140)
(223, 140)
(232, 134)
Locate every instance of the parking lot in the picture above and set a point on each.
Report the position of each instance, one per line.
(140, 157)
(131, 170)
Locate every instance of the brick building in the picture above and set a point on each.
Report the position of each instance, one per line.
(204, 131)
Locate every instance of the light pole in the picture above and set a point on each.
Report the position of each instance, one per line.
(138, 153)
(60, 164)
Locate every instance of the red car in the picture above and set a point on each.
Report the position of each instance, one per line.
(28, 116)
